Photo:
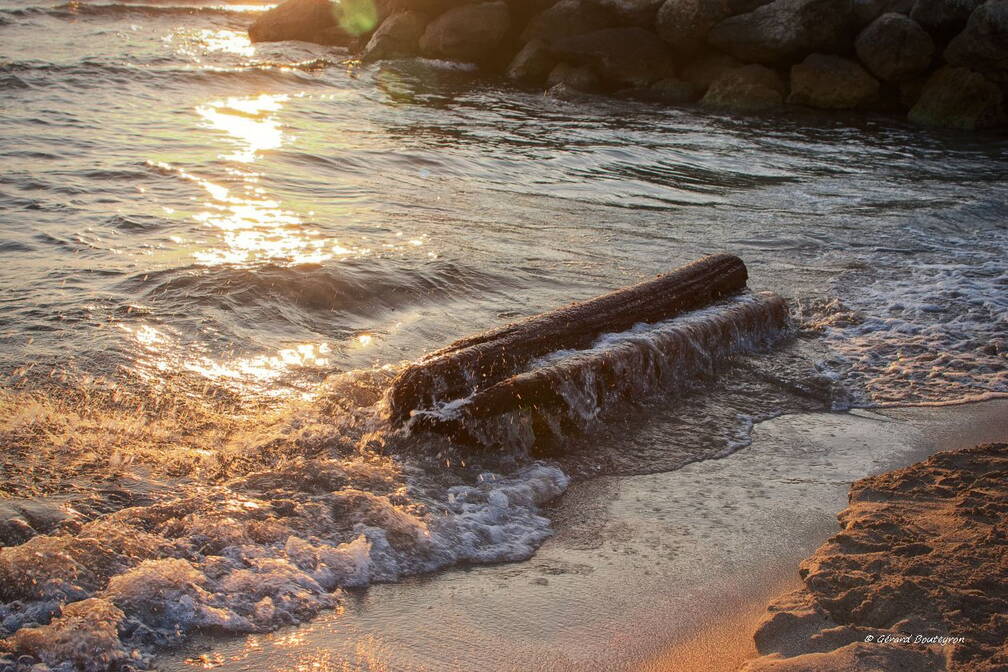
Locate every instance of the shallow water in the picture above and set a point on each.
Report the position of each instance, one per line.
(217, 254)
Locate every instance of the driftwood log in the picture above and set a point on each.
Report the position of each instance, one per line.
(477, 363)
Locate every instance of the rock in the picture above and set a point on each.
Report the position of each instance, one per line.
(674, 91)
(577, 77)
(620, 56)
(684, 24)
(956, 97)
(566, 19)
(569, 93)
(467, 33)
(706, 69)
(632, 12)
(983, 45)
(531, 65)
(866, 11)
(910, 91)
(786, 30)
(895, 47)
(831, 83)
(399, 35)
(943, 18)
(749, 88)
(670, 91)
(304, 20)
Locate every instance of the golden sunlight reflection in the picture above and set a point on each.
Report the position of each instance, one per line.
(196, 43)
(164, 354)
(249, 121)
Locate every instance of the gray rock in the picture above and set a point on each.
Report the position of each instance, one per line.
(956, 97)
(304, 20)
(566, 19)
(943, 18)
(831, 83)
(467, 33)
(632, 12)
(670, 91)
(749, 88)
(895, 47)
(532, 64)
(786, 30)
(621, 56)
(983, 45)
(707, 68)
(399, 35)
(684, 24)
(577, 77)
(866, 11)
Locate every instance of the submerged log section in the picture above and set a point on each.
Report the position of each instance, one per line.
(478, 362)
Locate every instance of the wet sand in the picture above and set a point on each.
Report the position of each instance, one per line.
(660, 572)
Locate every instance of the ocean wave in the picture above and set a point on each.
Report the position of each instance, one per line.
(933, 332)
(361, 287)
(77, 9)
(251, 557)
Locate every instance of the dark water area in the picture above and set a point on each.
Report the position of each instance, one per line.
(216, 255)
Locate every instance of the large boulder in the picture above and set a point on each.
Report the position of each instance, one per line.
(943, 18)
(304, 20)
(631, 12)
(623, 57)
(684, 24)
(866, 11)
(831, 83)
(895, 47)
(467, 33)
(397, 36)
(670, 91)
(576, 77)
(532, 64)
(786, 30)
(566, 19)
(955, 97)
(983, 45)
(747, 89)
(704, 70)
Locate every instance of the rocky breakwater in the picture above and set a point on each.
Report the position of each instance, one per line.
(914, 581)
(939, 62)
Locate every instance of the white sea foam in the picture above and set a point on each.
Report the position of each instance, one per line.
(935, 332)
(252, 556)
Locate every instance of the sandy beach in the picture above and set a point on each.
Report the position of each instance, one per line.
(661, 572)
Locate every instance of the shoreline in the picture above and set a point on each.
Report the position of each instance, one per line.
(640, 570)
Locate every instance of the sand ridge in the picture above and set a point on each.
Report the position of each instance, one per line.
(916, 579)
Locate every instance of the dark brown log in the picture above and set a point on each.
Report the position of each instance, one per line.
(663, 359)
(476, 363)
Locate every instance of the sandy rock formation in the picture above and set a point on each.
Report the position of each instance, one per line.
(922, 554)
(831, 83)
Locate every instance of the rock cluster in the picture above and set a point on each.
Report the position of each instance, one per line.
(940, 62)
